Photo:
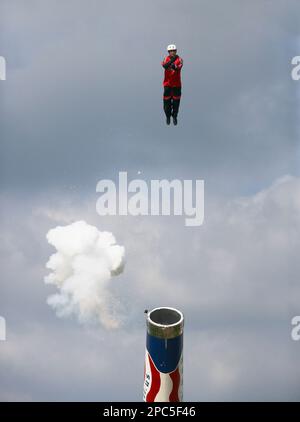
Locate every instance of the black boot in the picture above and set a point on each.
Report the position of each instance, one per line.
(168, 110)
(175, 107)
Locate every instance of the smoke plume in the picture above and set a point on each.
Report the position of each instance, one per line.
(82, 269)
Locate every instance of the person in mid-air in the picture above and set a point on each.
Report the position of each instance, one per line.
(172, 83)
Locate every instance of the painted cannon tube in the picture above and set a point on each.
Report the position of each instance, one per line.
(163, 363)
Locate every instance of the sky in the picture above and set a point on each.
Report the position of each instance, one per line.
(82, 102)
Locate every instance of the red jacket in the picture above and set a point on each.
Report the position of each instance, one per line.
(172, 76)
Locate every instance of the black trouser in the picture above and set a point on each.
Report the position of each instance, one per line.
(171, 100)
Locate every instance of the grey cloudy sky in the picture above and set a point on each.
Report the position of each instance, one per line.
(83, 101)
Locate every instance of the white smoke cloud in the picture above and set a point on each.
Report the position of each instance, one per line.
(82, 268)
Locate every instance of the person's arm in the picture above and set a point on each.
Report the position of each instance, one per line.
(166, 64)
(178, 65)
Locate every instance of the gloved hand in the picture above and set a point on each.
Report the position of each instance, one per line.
(170, 62)
(173, 66)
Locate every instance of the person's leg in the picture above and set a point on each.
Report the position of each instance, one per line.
(167, 103)
(176, 101)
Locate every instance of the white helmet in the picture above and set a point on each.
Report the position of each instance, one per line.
(171, 47)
